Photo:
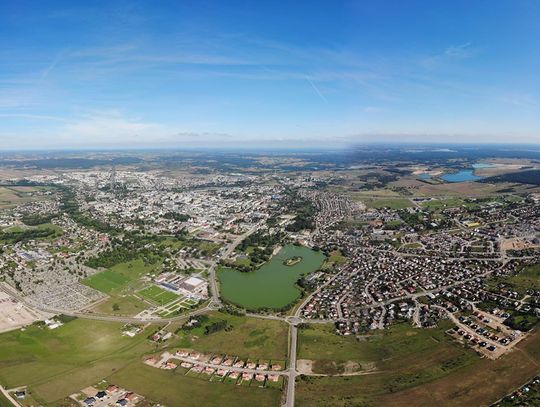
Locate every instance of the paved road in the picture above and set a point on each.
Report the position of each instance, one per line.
(8, 396)
(291, 381)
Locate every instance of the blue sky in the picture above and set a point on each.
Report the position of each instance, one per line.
(258, 73)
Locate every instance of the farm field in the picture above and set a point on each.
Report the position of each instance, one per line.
(12, 196)
(247, 337)
(56, 363)
(273, 284)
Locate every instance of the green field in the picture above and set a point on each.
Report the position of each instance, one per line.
(528, 278)
(4, 402)
(443, 203)
(394, 348)
(121, 305)
(392, 203)
(158, 295)
(57, 363)
(120, 282)
(174, 389)
(272, 285)
(415, 367)
(120, 277)
(248, 337)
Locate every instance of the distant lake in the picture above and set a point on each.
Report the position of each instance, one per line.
(483, 165)
(467, 175)
(425, 176)
(461, 176)
(272, 285)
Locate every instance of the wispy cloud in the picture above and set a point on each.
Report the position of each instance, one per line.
(316, 89)
(52, 65)
(30, 116)
(521, 100)
(460, 51)
(451, 54)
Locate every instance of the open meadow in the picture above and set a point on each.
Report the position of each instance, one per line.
(56, 363)
(420, 367)
(244, 337)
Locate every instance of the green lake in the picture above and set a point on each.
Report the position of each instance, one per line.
(272, 285)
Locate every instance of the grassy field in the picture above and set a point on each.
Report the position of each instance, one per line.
(249, 337)
(4, 402)
(528, 278)
(414, 368)
(121, 305)
(395, 348)
(12, 196)
(391, 203)
(120, 282)
(443, 203)
(174, 389)
(56, 363)
(119, 277)
(158, 295)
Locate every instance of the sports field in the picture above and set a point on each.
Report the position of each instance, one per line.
(120, 283)
(158, 295)
(119, 277)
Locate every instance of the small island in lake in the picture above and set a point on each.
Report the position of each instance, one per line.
(292, 261)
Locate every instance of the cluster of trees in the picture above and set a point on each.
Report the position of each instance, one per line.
(524, 177)
(304, 211)
(179, 217)
(521, 321)
(109, 258)
(25, 235)
(217, 326)
(195, 322)
(374, 180)
(34, 220)
(260, 238)
(531, 251)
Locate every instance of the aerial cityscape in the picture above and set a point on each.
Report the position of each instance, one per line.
(269, 204)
